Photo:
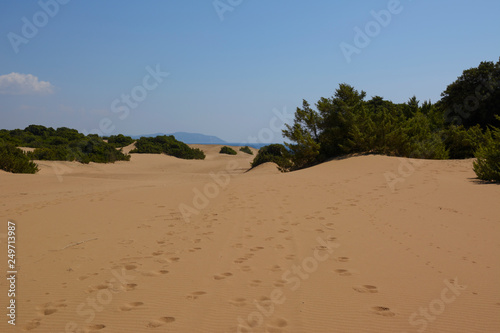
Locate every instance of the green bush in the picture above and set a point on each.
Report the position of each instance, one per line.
(275, 153)
(462, 142)
(487, 165)
(227, 150)
(247, 150)
(119, 140)
(14, 160)
(168, 145)
(64, 144)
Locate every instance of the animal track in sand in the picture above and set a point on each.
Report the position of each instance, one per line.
(222, 276)
(343, 259)
(194, 295)
(246, 268)
(130, 306)
(290, 257)
(366, 289)
(257, 248)
(159, 322)
(383, 311)
(343, 272)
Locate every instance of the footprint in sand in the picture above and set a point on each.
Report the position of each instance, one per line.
(195, 295)
(129, 267)
(280, 283)
(240, 260)
(129, 286)
(246, 268)
(130, 306)
(155, 273)
(255, 283)
(51, 307)
(290, 257)
(366, 289)
(276, 268)
(31, 325)
(383, 311)
(343, 259)
(222, 276)
(92, 289)
(96, 327)
(343, 272)
(85, 277)
(159, 322)
(238, 301)
(276, 325)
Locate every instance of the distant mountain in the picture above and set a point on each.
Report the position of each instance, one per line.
(190, 138)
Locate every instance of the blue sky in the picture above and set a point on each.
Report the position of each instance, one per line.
(231, 69)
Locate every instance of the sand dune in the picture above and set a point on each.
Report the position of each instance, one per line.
(158, 244)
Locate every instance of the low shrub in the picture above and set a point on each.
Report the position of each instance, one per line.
(14, 160)
(168, 145)
(227, 150)
(276, 153)
(487, 165)
(247, 150)
(119, 140)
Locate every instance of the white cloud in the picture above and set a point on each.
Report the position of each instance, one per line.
(24, 84)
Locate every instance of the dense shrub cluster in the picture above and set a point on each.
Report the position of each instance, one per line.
(119, 140)
(487, 165)
(167, 145)
(348, 123)
(275, 153)
(227, 150)
(13, 159)
(247, 150)
(63, 144)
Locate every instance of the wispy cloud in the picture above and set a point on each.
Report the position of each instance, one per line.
(24, 84)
